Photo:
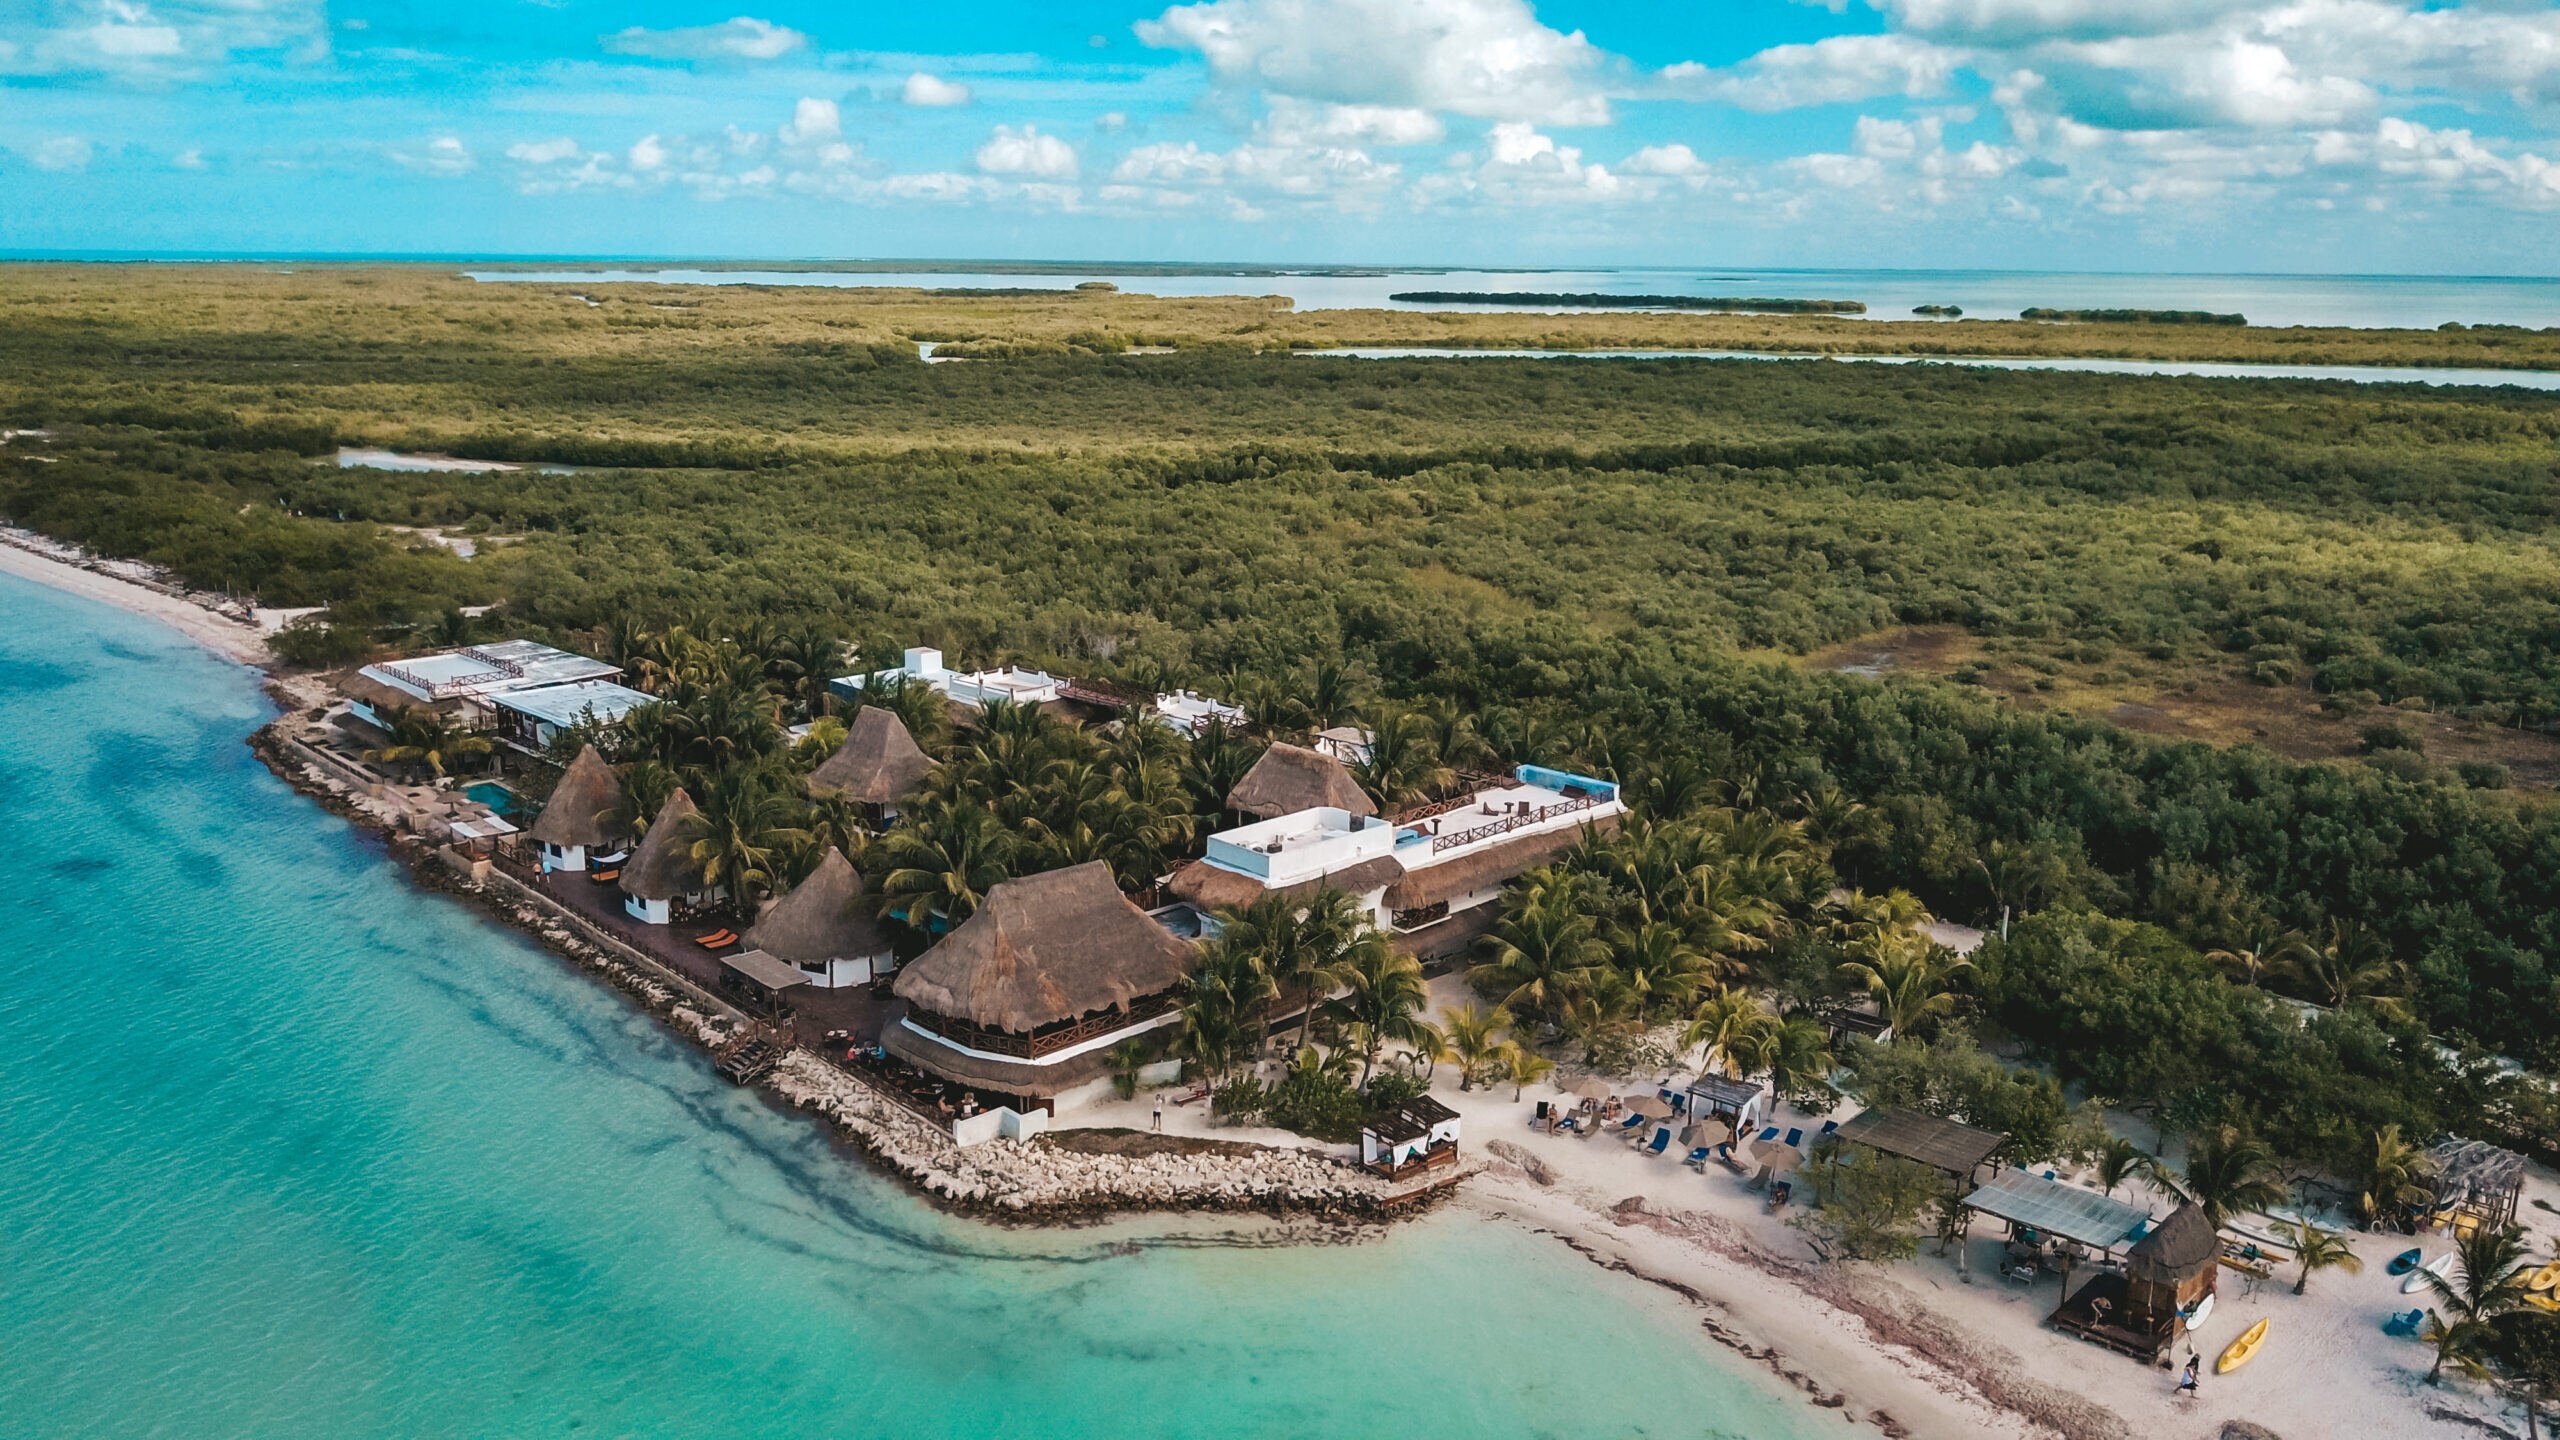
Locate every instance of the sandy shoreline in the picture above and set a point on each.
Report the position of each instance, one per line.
(1914, 1350)
(234, 640)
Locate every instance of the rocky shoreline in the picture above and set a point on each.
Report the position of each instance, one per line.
(1040, 1180)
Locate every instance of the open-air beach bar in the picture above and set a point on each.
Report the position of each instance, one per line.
(1026, 997)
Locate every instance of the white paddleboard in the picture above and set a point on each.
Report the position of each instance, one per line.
(2204, 1308)
(2417, 1281)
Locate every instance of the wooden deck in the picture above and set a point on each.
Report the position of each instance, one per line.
(2080, 1315)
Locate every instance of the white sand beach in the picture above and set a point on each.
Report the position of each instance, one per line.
(64, 568)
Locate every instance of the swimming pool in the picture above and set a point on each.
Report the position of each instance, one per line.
(492, 794)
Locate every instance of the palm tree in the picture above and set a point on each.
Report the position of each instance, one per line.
(1798, 1058)
(1730, 1025)
(1299, 944)
(1525, 1067)
(1222, 1007)
(1908, 976)
(1542, 952)
(1127, 1058)
(1475, 1040)
(1383, 993)
(740, 835)
(2395, 1175)
(2487, 1281)
(1662, 969)
(1330, 696)
(2317, 1249)
(1402, 766)
(2229, 1171)
(2261, 948)
(2118, 1160)
(943, 859)
(424, 738)
(2351, 968)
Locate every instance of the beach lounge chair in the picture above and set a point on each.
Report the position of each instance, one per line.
(604, 877)
(1828, 1126)
(1768, 1135)
(2404, 1324)
(717, 939)
(1795, 1139)
(1539, 1117)
(1698, 1158)
(1631, 1125)
(1661, 1142)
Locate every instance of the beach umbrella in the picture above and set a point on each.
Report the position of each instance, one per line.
(1710, 1132)
(1648, 1106)
(1776, 1158)
(1590, 1087)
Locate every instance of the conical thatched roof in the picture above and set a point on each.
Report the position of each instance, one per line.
(1291, 778)
(879, 763)
(2176, 1248)
(582, 805)
(822, 919)
(1044, 949)
(661, 869)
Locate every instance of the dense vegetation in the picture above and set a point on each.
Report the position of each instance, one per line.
(1598, 300)
(2133, 317)
(1605, 566)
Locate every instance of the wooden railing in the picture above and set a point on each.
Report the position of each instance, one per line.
(1044, 1042)
(1509, 823)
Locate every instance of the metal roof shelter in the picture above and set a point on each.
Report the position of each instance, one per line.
(1947, 1146)
(2085, 1217)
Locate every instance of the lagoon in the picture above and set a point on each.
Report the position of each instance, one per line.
(290, 1149)
(2360, 301)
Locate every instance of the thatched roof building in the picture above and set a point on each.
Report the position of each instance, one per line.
(879, 763)
(1213, 887)
(1043, 950)
(2176, 1248)
(1291, 778)
(580, 813)
(822, 920)
(662, 868)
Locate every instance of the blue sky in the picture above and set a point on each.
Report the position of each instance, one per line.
(2269, 135)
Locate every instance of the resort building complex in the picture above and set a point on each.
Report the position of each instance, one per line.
(585, 817)
(464, 685)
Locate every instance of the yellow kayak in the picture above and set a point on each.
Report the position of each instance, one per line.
(2242, 1350)
(2546, 1278)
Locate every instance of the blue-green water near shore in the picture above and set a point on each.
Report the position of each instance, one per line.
(288, 1149)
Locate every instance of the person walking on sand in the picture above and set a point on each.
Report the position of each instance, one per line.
(1159, 1112)
(2188, 1377)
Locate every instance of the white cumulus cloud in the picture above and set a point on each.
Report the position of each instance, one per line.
(62, 152)
(932, 91)
(443, 155)
(1488, 58)
(1026, 151)
(813, 120)
(742, 38)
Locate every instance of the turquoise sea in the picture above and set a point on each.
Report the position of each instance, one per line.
(288, 1149)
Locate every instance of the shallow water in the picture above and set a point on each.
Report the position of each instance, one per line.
(2209, 369)
(2364, 301)
(288, 1149)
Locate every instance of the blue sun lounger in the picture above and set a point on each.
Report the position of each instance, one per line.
(1661, 1142)
(1795, 1139)
(1698, 1158)
(1768, 1135)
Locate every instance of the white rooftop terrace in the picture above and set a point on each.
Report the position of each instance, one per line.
(923, 665)
(1305, 845)
(1192, 712)
(1538, 801)
(488, 670)
(603, 701)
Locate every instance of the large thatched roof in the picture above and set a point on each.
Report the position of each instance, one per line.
(1493, 865)
(581, 808)
(822, 919)
(661, 869)
(879, 763)
(1212, 888)
(2176, 1248)
(1012, 1077)
(1044, 949)
(1291, 778)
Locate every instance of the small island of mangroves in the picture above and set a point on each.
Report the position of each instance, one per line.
(1596, 300)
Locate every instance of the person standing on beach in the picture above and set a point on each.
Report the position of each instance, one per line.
(2187, 1378)
(1159, 1112)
